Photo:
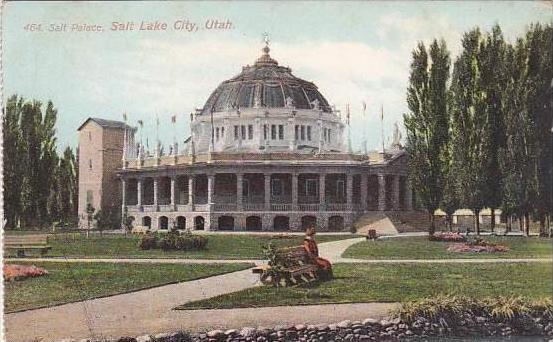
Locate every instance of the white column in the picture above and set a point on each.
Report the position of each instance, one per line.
(191, 191)
(322, 189)
(294, 191)
(239, 191)
(210, 188)
(123, 195)
(349, 190)
(156, 193)
(364, 183)
(139, 192)
(381, 192)
(267, 191)
(173, 184)
(291, 134)
(395, 193)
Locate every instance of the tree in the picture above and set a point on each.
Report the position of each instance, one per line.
(13, 163)
(469, 126)
(492, 71)
(427, 124)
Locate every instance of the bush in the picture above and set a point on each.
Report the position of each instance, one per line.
(174, 240)
(148, 241)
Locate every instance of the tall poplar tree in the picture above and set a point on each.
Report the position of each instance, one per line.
(469, 126)
(427, 123)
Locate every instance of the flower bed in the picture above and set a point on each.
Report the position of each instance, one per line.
(476, 246)
(447, 237)
(21, 272)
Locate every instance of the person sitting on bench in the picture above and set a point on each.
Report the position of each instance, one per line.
(325, 267)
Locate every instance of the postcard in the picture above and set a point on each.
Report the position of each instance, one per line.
(276, 171)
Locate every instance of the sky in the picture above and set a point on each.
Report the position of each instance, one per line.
(354, 52)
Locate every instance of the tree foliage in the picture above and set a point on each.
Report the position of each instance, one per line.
(40, 188)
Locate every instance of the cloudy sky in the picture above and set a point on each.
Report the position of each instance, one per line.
(353, 51)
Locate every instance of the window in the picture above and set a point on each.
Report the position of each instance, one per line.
(324, 134)
(243, 131)
(280, 132)
(250, 132)
(222, 132)
(311, 187)
(265, 133)
(296, 135)
(328, 135)
(276, 187)
(90, 164)
(90, 136)
(89, 197)
(302, 132)
(273, 132)
(309, 133)
(217, 133)
(235, 132)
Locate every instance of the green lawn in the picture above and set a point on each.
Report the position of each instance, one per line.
(354, 283)
(71, 282)
(226, 246)
(422, 248)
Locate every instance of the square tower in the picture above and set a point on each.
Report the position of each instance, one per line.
(101, 144)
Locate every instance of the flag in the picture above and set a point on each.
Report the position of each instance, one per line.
(147, 144)
(125, 117)
(141, 123)
(364, 106)
(173, 118)
(382, 113)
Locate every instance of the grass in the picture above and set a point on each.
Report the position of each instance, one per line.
(72, 282)
(422, 248)
(356, 283)
(218, 247)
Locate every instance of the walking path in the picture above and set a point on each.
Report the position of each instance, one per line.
(150, 311)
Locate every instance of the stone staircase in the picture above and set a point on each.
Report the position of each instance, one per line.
(392, 222)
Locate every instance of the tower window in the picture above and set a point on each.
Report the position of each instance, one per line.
(273, 132)
(217, 133)
(328, 135)
(90, 164)
(243, 131)
(250, 132)
(309, 133)
(280, 132)
(222, 132)
(265, 132)
(302, 132)
(90, 136)
(235, 132)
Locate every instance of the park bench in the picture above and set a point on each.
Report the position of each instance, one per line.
(291, 266)
(21, 243)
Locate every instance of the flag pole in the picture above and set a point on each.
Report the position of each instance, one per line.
(364, 128)
(382, 126)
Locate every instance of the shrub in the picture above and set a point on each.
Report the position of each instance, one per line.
(148, 241)
(200, 242)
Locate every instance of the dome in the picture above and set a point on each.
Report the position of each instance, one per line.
(265, 85)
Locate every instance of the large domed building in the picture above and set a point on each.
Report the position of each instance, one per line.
(267, 152)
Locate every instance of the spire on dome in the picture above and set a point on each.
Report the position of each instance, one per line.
(265, 58)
